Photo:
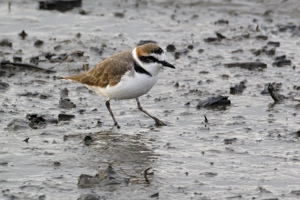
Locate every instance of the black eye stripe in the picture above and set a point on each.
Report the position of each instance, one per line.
(148, 59)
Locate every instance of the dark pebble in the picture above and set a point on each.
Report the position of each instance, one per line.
(247, 65)
(35, 121)
(211, 39)
(261, 37)
(190, 47)
(283, 57)
(82, 12)
(296, 192)
(57, 48)
(56, 163)
(17, 59)
(286, 27)
(297, 133)
(230, 140)
(60, 5)
(281, 61)
(5, 43)
(78, 35)
(65, 117)
(155, 195)
(274, 44)
(119, 15)
(66, 103)
(220, 36)
(171, 48)
(238, 88)
(238, 51)
(222, 21)
(209, 174)
(64, 92)
(38, 43)
(26, 140)
(264, 50)
(87, 140)
(200, 50)
(23, 35)
(274, 93)
(214, 101)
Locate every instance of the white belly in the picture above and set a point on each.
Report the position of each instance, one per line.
(128, 88)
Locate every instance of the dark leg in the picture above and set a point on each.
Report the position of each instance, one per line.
(157, 121)
(112, 114)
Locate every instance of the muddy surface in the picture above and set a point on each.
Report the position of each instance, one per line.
(55, 132)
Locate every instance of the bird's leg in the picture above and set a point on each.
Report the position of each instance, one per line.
(157, 121)
(111, 114)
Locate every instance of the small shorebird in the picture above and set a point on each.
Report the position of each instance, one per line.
(127, 75)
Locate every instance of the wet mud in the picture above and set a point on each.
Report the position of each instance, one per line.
(57, 137)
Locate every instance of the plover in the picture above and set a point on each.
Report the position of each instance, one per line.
(126, 75)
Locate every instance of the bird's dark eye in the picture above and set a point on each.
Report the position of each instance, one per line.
(158, 51)
(148, 59)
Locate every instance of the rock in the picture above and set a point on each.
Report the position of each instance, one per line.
(17, 59)
(5, 43)
(65, 117)
(60, 5)
(274, 94)
(66, 103)
(23, 35)
(171, 48)
(264, 50)
(87, 140)
(106, 177)
(238, 88)
(214, 101)
(119, 15)
(38, 43)
(34, 60)
(247, 65)
(261, 37)
(35, 121)
(221, 22)
(230, 140)
(215, 39)
(281, 61)
(274, 44)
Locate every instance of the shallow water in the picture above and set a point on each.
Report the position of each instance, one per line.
(189, 157)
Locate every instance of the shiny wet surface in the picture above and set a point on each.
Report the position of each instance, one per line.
(243, 151)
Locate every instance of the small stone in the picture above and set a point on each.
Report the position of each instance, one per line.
(38, 43)
(5, 43)
(171, 48)
(119, 14)
(65, 117)
(23, 35)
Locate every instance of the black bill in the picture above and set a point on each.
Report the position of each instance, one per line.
(166, 64)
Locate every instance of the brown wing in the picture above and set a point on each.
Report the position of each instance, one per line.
(107, 72)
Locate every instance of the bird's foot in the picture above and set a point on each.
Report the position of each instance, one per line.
(117, 125)
(158, 122)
